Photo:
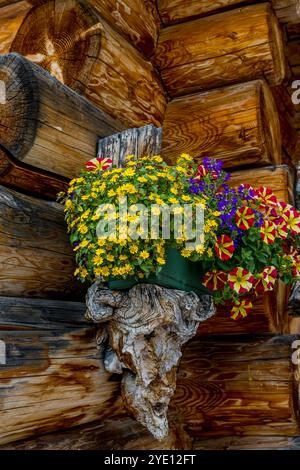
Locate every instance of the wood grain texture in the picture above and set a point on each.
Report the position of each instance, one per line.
(53, 378)
(137, 20)
(119, 433)
(281, 179)
(173, 11)
(238, 124)
(71, 41)
(30, 180)
(138, 142)
(54, 129)
(268, 316)
(244, 387)
(12, 15)
(192, 57)
(248, 443)
(36, 259)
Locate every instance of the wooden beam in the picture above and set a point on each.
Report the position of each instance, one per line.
(36, 258)
(12, 15)
(55, 129)
(239, 387)
(53, 377)
(238, 124)
(192, 57)
(137, 20)
(174, 11)
(71, 41)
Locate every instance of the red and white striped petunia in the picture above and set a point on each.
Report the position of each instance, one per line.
(281, 228)
(268, 232)
(215, 280)
(296, 267)
(266, 280)
(267, 195)
(292, 219)
(244, 218)
(241, 310)
(99, 164)
(240, 280)
(201, 172)
(224, 247)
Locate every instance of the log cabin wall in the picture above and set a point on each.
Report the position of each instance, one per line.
(223, 105)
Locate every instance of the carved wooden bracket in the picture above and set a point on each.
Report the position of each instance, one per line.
(146, 328)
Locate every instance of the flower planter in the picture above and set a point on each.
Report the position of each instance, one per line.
(178, 273)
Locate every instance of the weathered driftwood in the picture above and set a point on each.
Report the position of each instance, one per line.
(55, 130)
(139, 142)
(238, 124)
(192, 57)
(36, 259)
(71, 41)
(171, 11)
(147, 327)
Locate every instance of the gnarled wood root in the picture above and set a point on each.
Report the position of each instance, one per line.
(147, 327)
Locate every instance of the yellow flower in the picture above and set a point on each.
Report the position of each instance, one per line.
(101, 241)
(210, 252)
(186, 198)
(181, 169)
(129, 172)
(111, 193)
(85, 197)
(153, 177)
(114, 178)
(173, 200)
(144, 254)
(86, 214)
(186, 253)
(93, 195)
(216, 213)
(110, 258)
(149, 167)
(82, 272)
(161, 260)
(83, 229)
(96, 217)
(157, 159)
(129, 157)
(84, 243)
(142, 179)
(186, 157)
(174, 190)
(122, 257)
(159, 201)
(100, 251)
(133, 249)
(98, 260)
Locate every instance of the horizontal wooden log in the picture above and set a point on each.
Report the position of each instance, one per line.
(238, 124)
(137, 20)
(72, 42)
(192, 57)
(54, 129)
(243, 387)
(248, 443)
(269, 315)
(53, 378)
(30, 180)
(173, 11)
(281, 179)
(36, 259)
(12, 15)
(119, 433)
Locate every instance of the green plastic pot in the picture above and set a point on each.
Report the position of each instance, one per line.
(178, 273)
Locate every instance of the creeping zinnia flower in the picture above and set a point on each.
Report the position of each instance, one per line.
(240, 280)
(241, 310)
(224, 247)
(244, 218)
(268, 232)
(215, 280)
(99, 164)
